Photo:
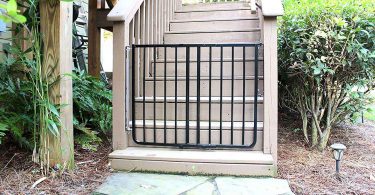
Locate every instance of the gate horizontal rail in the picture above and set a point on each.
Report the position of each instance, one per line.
(143, 73)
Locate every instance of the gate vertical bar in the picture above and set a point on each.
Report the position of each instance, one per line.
(198, 93)
(243, 93)
(144, 94)
(133, 93)
(221, 94)
(187, 93)
(209, 94)
(175, 94)
(154, 92)
(165, 95)
(256, 95)
(232, 96)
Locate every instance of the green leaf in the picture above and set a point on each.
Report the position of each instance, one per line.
(12, 7)
(52, 127)
(53, 109)
(3, 127)
(20, 19)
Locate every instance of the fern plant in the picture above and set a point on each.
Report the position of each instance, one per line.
(92, 103)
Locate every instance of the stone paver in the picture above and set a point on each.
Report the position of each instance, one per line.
(253, 186)
(144, 184)
(163, 184)
(207, 187)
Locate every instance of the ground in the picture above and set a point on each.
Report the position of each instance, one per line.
(312, 172)
(18, 174)
(307, 171)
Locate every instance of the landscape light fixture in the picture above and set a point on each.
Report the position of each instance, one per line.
(338, 153)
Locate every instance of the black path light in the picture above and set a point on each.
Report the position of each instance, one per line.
(338, 153)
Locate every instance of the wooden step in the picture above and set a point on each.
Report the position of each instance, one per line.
(205, 99)
(206, 156)
(203, 125)
(214, 24)
(213, 14)
(204, 70)
(207, 37)
(204, 109)
(181, 87)
(254, 163)
(215, 6)
(161, 135)
(215, 51)
(204, 136)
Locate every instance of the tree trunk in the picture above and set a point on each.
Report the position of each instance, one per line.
(314, 134)
(324, 139)
(304, 127)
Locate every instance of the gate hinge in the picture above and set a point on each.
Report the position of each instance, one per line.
(128, 129)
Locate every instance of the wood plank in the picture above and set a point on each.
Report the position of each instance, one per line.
(186, 155)
(101, 19)
(270, 86)
(194, 167)
(94, 41)
(121, 40)
(56, 20)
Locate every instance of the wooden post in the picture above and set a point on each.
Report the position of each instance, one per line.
(56, 28)
(121, 35)
(270, 86)
(94, 41)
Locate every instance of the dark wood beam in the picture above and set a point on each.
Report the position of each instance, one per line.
(94, 40)
(101, 19)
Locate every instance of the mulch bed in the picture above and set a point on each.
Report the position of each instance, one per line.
(312, 172)
(18, 173)
(308, 171)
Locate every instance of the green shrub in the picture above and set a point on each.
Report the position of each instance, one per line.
(326, 62)
(16, 99)
(92, 104)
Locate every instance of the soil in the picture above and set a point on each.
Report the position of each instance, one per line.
(307, 170)
(18, 173)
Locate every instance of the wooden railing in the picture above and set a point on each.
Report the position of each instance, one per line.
(135, 22)
(146, 20)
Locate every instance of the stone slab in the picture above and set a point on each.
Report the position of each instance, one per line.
(254, 186)
(164, 184)
(144, 184)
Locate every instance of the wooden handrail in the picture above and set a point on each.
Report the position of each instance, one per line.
(124, 10)
(272, 8)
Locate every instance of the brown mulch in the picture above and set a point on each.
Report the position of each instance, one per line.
(308, 171)
(312, 172)
(18, 173)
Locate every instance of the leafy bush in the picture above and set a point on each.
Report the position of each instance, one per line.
(16, 97)
(92, 103)
(326, 62)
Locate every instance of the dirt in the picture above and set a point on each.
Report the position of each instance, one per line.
(307, 170)
(18, 173)
(312, 172)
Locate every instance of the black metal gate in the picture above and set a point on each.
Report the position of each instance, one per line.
(179, 91)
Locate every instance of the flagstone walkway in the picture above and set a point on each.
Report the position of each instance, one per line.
(163, 184)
